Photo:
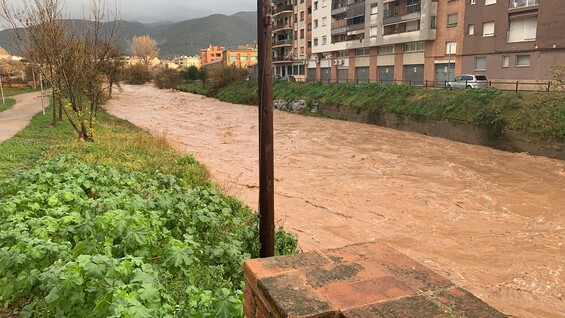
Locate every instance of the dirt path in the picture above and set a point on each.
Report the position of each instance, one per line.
(19, 116)
(491, 221)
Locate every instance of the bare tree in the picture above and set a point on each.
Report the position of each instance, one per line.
(145, 48)
(70, 57)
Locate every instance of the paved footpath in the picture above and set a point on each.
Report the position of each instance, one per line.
(19, 116)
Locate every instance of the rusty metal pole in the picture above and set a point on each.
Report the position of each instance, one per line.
(266, 167)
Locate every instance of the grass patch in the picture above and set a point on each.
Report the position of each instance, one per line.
(9, 103)
(11, 91)
(118, 143)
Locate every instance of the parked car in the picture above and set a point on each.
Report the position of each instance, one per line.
(289, 78)
(468, 81)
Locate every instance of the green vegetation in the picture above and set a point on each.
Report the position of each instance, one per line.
(540, 114)
(9, 103)
(194, 88)
(124, 227)
(11, 91)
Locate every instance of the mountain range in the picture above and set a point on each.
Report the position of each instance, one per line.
(184, 37)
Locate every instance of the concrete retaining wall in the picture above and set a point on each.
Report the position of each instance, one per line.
(456, 130)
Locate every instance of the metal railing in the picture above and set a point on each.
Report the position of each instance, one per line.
(285, 7)
(283, 42)
(339, 24)
(399, 11)
(282, 58)
(279, 26)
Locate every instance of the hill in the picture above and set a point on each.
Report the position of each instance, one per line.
(181, 38)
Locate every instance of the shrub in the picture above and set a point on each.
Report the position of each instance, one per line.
(193, 73)
(166, 78)
(194, 88)
(222, 77)
(137, 74)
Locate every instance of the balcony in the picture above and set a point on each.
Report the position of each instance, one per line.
(282, 26)
(282, 59)
(339, 24)
(517, 4)
(283, 8)
(283, 42)
(400, 11)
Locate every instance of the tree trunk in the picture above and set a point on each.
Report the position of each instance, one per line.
(54, 105)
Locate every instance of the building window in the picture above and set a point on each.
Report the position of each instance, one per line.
(415, 46)
(452, 20)
(309, 26)
(488, 28)
(471, 29)
(433, 22)
(374, 8)
(244, 58)
(324, 3)
(302, 33)
(522, 60)
(301, 15)
(488, 2)
(522, 30)
(315, 41)
(324, 21)
(450, 48)
(523, 3)
(387, 49)
(374, 32)
(315, 5)
(505, 61)
(413, 26)
(480, 63)
(472, 2)
(363, 52)
(316, 24)
(324, 40)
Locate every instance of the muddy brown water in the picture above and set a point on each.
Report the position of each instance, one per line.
(491, 221)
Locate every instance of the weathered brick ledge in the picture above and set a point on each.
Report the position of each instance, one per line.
(361, 280)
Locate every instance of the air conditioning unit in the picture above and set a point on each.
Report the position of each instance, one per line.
(336, 62)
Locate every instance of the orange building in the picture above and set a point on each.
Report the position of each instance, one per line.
(243, 56)
(213, 53)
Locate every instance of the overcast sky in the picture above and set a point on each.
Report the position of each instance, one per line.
(149, 11)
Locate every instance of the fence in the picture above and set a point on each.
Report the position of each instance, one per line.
(511, 86)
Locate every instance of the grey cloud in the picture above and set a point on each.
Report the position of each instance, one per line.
(154, 11)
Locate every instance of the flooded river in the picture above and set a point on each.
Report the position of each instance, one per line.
(493, 222)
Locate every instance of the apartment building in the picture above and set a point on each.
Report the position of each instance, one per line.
(373, 40)
(291, 37)
(425, 42)
(180, 62)
(243, 56)
(513, 39)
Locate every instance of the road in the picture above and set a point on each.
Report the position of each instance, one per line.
(491, 221)
(18, 116)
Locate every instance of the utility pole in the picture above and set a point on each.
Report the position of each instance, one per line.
(266, 168)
